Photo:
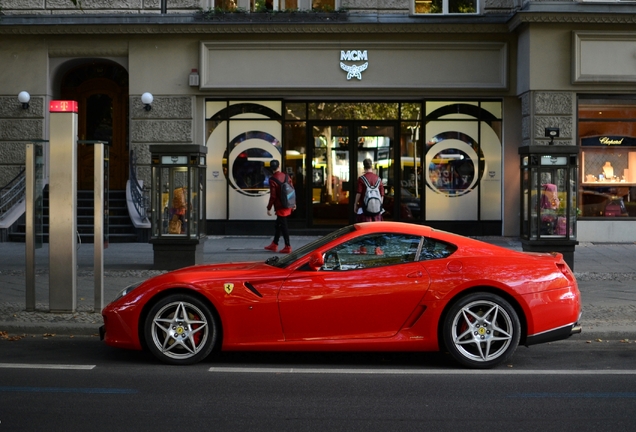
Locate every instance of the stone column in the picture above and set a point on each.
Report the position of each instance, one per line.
(543, 109)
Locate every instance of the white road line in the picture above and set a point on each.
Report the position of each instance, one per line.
(45, 366)
(420, 371)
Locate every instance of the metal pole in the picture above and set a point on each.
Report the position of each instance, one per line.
(164, 6)
(63, 207)
(98, 235)
(30, 227)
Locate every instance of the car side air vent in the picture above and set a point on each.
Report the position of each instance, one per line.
(250, 287)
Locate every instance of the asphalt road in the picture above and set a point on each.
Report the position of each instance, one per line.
(66, 383)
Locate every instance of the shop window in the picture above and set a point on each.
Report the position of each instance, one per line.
(445, 7)
(243, 138)
(607, 132)
(462, 161)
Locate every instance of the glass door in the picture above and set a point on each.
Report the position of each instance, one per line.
(375, 141)
(338, 152)
(331, 166)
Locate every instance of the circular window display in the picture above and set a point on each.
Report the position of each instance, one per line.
(453, 167)
(245, 167)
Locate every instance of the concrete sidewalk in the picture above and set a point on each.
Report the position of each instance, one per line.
(606, 274)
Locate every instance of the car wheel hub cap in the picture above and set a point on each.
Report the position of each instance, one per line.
(179, 330)
(482, 331)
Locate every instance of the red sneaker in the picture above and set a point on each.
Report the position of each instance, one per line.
(273, 247)
(286, 249)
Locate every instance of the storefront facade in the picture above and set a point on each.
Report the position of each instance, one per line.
(440, 106)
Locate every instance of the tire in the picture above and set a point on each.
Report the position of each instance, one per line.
(180, 330)
(481, 330)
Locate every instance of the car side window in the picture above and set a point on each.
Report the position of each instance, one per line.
(373, 251)
(435, 249)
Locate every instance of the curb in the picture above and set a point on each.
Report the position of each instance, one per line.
(58, 329)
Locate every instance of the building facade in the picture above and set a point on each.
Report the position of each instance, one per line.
(440, 95)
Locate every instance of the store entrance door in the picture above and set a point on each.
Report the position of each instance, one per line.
(337, 152)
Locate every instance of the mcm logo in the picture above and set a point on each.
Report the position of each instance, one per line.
(354, 71)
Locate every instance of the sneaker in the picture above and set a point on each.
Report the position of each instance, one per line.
(273, 247)
(286, 249)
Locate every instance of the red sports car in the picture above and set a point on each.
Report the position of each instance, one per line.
(379, 286)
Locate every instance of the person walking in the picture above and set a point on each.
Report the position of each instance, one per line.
(281, 212)
(366, 181)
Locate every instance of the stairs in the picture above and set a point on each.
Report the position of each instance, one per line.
(120, 227)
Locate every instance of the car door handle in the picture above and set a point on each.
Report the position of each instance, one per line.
(415, 274)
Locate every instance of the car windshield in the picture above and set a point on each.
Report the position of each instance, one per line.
(309, 247)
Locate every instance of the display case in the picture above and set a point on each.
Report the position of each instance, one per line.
(548, 199)
(178, 229)
(608, 177)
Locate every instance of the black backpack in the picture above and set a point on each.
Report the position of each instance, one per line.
(287, 192)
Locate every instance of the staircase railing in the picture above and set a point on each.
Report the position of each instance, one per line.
(139, 194)
(12, 193)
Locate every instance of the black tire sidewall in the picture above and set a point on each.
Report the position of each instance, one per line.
(209, 317)
(457, 307)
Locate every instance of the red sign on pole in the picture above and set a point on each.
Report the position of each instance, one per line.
(63, 106)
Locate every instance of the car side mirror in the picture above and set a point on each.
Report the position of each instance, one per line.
(316, 261)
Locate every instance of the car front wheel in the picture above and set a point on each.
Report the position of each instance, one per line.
(180, 329)
(481, 330)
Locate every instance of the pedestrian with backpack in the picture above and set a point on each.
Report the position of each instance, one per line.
(283, 198)
(369, 195)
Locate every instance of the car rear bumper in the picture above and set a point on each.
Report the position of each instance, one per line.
(554, 334)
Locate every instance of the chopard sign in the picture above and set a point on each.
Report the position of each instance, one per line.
(610, 141)
(354, 71)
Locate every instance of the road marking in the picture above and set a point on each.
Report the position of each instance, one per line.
(45, 366)
(66, 390)
(421, 371)
(588, 395)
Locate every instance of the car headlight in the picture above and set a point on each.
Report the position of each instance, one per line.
(128, 289)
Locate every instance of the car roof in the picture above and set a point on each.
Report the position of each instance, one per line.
(397, 227)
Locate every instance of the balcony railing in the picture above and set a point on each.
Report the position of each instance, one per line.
(12, 193)
(139, 194)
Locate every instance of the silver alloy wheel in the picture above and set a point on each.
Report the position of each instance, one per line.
(482, 331)
(180, 330)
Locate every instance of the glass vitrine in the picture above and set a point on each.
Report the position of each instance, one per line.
(548, 199)
(178, 204)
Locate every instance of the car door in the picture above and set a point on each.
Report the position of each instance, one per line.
(367, 288)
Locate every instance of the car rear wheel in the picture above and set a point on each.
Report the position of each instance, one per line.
(481, 330)
(180, 329)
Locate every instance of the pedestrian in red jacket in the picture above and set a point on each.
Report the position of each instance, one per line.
(281, 212)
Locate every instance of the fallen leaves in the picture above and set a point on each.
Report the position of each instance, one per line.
(5, 336)
(624, 341)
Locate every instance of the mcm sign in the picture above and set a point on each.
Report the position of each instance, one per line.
(356, 56)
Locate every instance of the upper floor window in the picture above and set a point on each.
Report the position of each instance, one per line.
(446, 6)
(275, 5)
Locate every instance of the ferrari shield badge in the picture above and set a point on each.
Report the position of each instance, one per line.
(228, 288)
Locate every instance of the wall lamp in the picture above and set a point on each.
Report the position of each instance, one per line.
(24, 98)
(552, 133)
(147, 99)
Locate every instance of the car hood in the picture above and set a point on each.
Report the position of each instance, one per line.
(213, 271)
(222, 267)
